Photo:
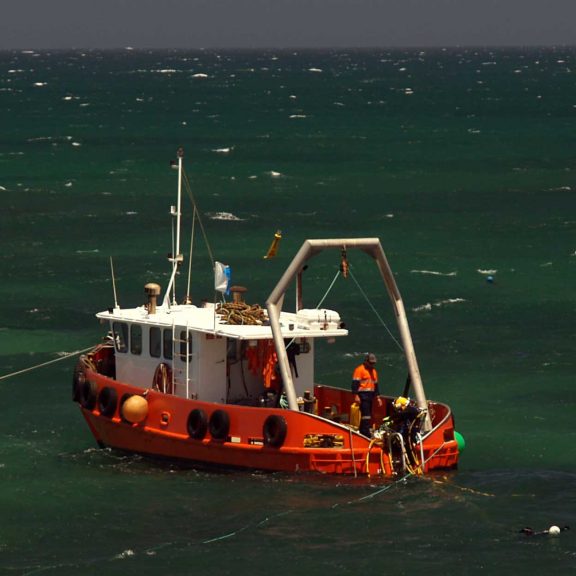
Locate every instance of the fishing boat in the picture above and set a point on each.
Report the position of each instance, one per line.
(230, 384)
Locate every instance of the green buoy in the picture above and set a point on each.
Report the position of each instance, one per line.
(460, 441)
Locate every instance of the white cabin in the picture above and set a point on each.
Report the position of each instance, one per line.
(210, 360)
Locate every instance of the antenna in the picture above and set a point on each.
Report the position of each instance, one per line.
(113, 283)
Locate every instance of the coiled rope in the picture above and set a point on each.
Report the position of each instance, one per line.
(240, 313)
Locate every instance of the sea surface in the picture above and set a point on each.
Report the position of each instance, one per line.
(462, 161)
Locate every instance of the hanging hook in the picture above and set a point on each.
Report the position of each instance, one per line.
(344, 263)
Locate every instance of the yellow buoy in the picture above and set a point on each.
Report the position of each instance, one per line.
(135, 409)
(274, 246)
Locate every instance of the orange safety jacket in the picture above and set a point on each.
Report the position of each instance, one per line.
(365, 379)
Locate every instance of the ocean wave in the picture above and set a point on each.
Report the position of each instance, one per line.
(155, 71)
(429, 305)
(50, 139)
(482, 271)
(431, 272)
(224, 216)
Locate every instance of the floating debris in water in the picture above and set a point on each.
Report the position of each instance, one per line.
(552, 531)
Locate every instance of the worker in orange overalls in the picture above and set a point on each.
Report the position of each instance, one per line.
(365, 388)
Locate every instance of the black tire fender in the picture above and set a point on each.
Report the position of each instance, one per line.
(274, 431)
(88, 394)
(107, 401)
(219, 425)
(78, 380)
(197, 424)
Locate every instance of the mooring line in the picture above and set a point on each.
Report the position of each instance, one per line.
(66, 356)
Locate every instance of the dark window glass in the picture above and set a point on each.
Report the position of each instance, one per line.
(168, 344)
(136, 339)
(155, 342)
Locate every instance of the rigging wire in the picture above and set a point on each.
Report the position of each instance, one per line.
(193, 200)
(191, 251)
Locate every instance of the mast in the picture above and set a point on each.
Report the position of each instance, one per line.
(176, 258)
(180, 154)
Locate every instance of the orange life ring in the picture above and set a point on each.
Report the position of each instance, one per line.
(163, 381)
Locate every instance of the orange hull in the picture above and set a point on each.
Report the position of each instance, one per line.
(310, 443)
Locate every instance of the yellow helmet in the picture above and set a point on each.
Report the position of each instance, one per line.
(400, 403)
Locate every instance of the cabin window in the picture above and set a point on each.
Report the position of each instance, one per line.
(167, 341)
(136, 339)
(155, 342)
(120, 330)
(185, 346)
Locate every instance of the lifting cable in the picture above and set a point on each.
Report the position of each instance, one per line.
(375, 311)
(348, 271)
(328, 291)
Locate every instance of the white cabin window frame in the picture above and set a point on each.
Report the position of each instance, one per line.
(121, 335)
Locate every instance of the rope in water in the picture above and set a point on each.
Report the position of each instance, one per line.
(64, 357)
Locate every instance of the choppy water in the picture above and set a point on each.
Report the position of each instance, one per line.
(461, 161)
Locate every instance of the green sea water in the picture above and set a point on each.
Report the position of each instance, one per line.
(462, 161)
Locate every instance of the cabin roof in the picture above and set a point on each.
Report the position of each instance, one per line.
(302, 325)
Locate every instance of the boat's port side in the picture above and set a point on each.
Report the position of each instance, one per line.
(322, 440)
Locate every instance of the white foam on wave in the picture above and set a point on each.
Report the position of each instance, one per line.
(429, 305)
(223, 150)
(228, 216)
(274, 174)
(292, 116)
(482, 271)
(125, 554)
(433, 272)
